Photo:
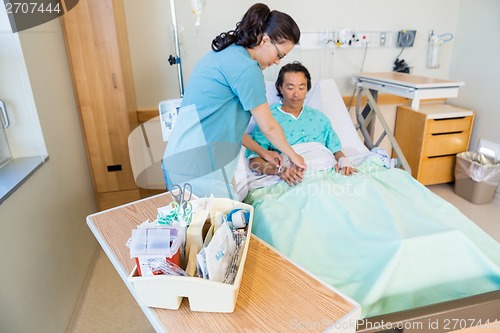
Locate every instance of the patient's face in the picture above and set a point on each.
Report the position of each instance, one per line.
(294, 89)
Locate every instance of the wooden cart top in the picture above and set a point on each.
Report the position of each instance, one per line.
(275, 295)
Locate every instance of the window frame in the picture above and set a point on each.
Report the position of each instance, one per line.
(24, 135)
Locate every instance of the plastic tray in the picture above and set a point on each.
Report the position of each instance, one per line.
(167, 292)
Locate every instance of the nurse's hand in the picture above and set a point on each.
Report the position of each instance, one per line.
(272, 157)
(298, 161)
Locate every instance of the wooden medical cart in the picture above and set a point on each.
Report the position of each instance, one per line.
(274, 296)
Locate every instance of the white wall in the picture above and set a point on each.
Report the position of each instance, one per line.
(478, 64)
(151, 41)
(45, 243)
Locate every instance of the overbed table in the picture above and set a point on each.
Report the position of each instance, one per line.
(275, 295)
(409, 86)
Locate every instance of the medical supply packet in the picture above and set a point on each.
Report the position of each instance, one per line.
(149, 246)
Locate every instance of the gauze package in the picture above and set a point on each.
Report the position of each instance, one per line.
(219, 253)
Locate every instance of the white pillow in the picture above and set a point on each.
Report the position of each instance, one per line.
(325, 97)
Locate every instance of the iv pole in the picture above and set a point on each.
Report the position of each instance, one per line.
(177, 58)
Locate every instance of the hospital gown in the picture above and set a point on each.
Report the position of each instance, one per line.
(310, 126)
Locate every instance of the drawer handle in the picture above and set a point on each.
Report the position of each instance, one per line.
(447, 133)
(113, 168)
(438, 156)
(442, 119)
(6, 122)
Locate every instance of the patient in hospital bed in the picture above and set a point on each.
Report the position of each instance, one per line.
(301, 124)
(380, 237)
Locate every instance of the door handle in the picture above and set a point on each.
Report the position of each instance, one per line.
(6, 122)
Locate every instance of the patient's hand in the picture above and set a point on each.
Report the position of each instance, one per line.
(345, 165)
(292, 175)
(346, 171)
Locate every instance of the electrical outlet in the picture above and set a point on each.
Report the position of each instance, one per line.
(489, 149)
(367, 39)
(383, 38)
(406, 38)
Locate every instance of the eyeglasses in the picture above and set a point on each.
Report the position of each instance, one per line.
(280, 55)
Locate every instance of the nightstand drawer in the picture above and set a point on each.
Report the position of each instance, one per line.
(448, 125)
(445, 144)
(437, 170)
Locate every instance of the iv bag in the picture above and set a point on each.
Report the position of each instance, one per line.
(197, 8)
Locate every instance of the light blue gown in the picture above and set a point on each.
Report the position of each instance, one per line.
(310, 126)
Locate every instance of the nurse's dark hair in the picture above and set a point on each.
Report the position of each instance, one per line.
(294, 67)
(259, 19)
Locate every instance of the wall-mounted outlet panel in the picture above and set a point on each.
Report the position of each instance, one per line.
(314, 40)
(345, 38)
(371, 39)
(489, 149)
(386, 39)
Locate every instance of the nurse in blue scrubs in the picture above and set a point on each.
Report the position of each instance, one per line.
(225, 89)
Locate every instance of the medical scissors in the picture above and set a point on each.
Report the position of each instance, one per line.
(182, 194)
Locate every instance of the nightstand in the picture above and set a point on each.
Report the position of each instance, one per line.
(431, 137)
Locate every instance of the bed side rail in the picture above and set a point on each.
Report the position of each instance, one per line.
(365, 123)
(482, 309)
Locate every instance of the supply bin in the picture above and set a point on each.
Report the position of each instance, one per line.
(476, 177)
(167, 291)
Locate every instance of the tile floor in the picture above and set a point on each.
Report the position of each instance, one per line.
(107, 306)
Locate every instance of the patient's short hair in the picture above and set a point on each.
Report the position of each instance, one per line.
(294, 67)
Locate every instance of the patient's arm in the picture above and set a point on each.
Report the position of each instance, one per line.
(272, 157)
(292, 175)
(344, 164)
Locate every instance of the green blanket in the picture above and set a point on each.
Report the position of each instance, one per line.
(380, 237)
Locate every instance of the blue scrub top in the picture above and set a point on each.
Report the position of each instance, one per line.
(214, 114)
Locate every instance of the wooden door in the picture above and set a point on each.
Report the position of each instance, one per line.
(99, 56)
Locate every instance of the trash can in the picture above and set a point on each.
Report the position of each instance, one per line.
(476, 177)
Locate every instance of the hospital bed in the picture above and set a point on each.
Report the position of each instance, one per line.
(411, 259)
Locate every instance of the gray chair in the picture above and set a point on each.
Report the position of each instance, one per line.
(146, 148)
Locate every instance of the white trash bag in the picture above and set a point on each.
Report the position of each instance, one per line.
(477, 167)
